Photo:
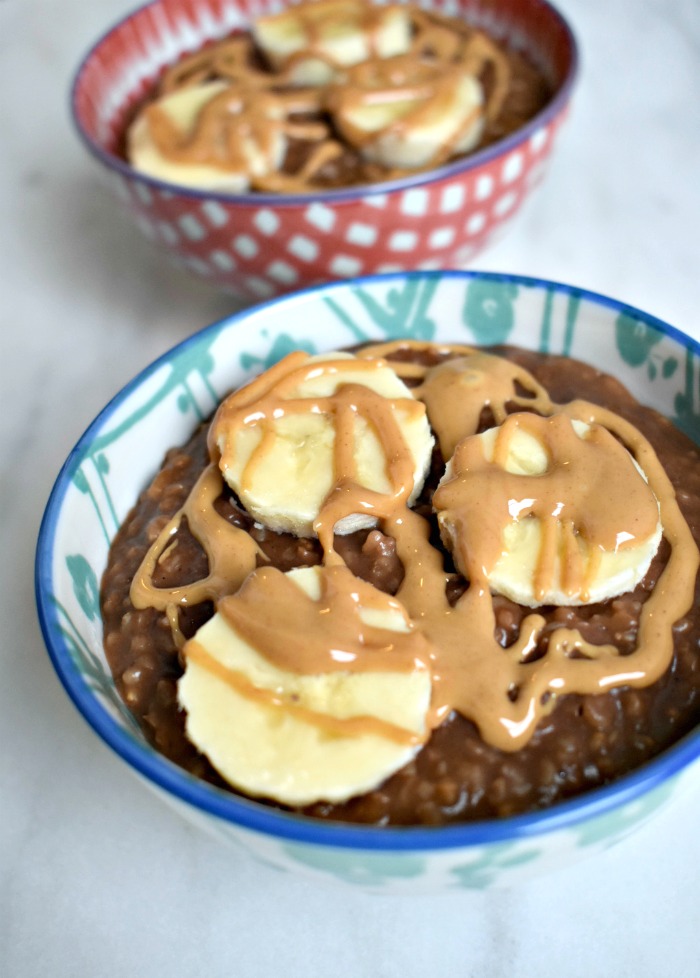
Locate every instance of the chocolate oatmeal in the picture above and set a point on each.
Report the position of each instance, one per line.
(532, 700)
(329, 94)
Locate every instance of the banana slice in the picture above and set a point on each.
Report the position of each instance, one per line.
(312, 425)
(305, 737)
(407, 113)
(530, 485)
(313, 40)
(201, 137)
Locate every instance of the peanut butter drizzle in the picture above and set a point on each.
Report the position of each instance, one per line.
(257, 104)
(590, 490)
(311, 637)
(231, 553)
(298, 182)
(428, 88)
(499, 689)
(452, 41)
(456, 392)
(484, 680)
(443, 51)
(504, 691)
(271, 397)
(228, 123)
(230, 60)
(352, 726)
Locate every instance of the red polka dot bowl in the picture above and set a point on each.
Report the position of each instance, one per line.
(258, 245)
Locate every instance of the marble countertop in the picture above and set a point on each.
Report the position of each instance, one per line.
(97, 876)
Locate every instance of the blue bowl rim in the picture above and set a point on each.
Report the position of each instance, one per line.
(502, 147)
(256, 816)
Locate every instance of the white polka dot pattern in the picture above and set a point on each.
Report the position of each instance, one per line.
(403, 241)
(361, 234)
(214, 213)
(191, 228)
(303, 248)
(246, 246)
(415, 202)
(275, 249)
(266, 221)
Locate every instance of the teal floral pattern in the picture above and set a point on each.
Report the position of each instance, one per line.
(635, 339)
(546, 330)
(282, 346)
(194, 360)
(378, 870)
(85, 585)
(403, 313)
(687, 401)
(489, 310)
(99, 463)
(371, 869)
(608, 829)
(90, 668)
(91, 479)
(483, 871)
(635, 342)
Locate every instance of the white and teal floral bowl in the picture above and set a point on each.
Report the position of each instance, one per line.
(104, 473)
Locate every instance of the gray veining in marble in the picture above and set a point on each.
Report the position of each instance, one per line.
(99, 879)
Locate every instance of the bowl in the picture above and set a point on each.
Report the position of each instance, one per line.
(261, 245)
(108, 467)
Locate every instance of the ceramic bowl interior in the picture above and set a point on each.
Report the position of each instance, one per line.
(261, 245)
(159, 409)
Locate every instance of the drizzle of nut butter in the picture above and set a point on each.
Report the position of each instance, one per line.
(504, 691)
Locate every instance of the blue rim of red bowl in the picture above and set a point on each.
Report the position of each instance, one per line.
(503, 146)
(256, 816)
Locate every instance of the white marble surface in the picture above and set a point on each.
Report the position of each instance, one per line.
(97, 877)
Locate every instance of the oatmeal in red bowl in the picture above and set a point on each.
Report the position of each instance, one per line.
(268, 151)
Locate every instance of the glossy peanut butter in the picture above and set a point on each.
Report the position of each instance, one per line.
(262, 106)
(591, 486)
